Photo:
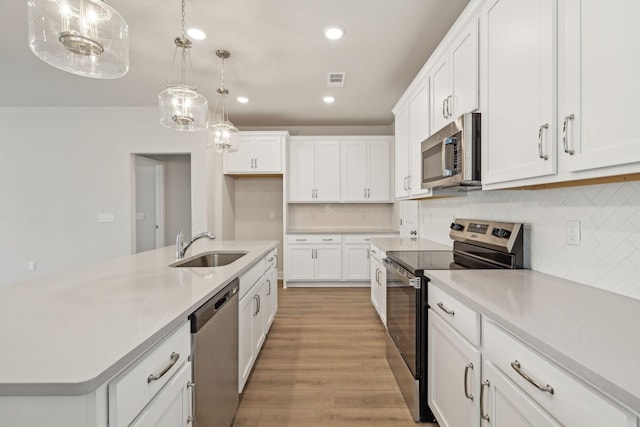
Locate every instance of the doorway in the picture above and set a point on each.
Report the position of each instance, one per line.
(162, 199)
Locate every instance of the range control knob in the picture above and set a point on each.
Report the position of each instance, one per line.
(457, 227)
(495, 232)
(505, 234)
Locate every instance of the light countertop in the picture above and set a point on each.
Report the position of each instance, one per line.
(407, 244)
(593, 333)
(368, 231)
(66, 334)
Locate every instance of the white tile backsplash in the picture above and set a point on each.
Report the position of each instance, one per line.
(340, 216)
(609, 214)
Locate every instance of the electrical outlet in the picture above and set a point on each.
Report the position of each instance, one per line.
(572, 232)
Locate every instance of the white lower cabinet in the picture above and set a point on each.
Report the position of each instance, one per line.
(453, 369)
(256, 311)
(173, 406)
(505, 405)
(314, 257)
(378, 283)
(355, 258)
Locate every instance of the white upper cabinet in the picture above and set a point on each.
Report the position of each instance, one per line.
(402, 172)
(314, 167)
(258, 153)
(454, 79)
(419, 130)
(366, 170)
(518, 111)
(598, 90)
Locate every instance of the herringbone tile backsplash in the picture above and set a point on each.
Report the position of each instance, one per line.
(609, 214)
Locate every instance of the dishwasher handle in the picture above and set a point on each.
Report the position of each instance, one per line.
(215, 304)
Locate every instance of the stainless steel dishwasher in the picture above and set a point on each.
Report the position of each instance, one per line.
(214, 338)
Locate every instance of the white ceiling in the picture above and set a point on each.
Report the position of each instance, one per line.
(279, 57)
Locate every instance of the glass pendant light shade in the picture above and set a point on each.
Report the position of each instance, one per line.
(223, 137)
(84, 37)
(183, 108)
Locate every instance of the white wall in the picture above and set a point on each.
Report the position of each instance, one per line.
(61, 167)
(609, 256)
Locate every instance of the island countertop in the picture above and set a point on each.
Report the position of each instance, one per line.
(68, 333)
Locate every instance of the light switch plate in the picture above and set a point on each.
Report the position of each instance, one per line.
(106, 217)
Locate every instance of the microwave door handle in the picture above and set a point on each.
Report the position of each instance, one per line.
(444, 157)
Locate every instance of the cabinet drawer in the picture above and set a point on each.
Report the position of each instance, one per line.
(314, 238)
(250, 277)
(456, 313)
(572, 402)
(377, 253)
(356, 239)
(132, 390)
(271, 259)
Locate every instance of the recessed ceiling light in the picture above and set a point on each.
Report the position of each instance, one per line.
(328, 99)
(196, 33)
(242, 99)
(333, 32)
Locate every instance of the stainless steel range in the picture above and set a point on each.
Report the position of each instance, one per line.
(477, 244)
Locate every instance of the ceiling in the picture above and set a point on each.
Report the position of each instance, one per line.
(279, 57)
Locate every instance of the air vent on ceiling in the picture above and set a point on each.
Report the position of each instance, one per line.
(335, 79)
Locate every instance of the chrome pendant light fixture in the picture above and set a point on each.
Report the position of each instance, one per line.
(182, 107)
(84, 37)
(223, 135)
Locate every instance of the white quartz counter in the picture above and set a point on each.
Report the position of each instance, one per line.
(66, 334)
(593, 333)
(407, 244)
(368, 231)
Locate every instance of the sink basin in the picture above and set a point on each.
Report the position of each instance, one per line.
(210, 259)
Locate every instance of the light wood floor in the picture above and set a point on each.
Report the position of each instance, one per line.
(323, 364)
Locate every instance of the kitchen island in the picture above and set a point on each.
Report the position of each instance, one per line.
(69, 334)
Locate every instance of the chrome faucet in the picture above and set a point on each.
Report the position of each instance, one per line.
(181, 246)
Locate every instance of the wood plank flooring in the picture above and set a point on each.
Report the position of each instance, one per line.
(323, 364)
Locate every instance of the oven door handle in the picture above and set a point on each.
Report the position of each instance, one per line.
(407, 279)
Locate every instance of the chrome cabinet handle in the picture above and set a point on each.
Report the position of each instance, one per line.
(277, 260)
(301, 240)
(259, 303)
(540, 132)
(368, 253)
(192, 386)
(172, 361)
(466, 373)
(327, 240)
(269, 259)
(255, 298)
(449, 99)
(269, 286)
(414, 232)
(256, 162)
(565, 143)
(444, 111)
(517, 367)
(446, 310)
(483, 415)
(405, 183)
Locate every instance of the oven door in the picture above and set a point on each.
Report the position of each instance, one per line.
(403, 314)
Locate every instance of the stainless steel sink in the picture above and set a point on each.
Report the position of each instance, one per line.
(210, 259)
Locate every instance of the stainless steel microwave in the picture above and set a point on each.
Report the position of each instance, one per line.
(451, 156)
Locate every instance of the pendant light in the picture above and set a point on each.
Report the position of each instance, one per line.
(223, 135)
(84, 37)
(182, 107)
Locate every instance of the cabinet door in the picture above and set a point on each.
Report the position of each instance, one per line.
(327, 167)
(402, 153)
(464, 72)
(260, 314)
(419, 129)
(506, 405)
(302, 171)
(246, 309)
(301, 262)
(382, 296)
(328, 262)
(355, 262)
(268, 154)
(518, 117)
(379, 171)
(374, 271)
(354, 171)
(453, 375)
(241, 160)
(272, 296)
(172, 406)
(598, 83)
(441, 89)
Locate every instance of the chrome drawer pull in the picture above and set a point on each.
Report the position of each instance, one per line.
(466, 373)
(192, 386)
(446, 310)
(540, 131)
(174, 358)
(482, 386)
(516, 366)
(565, 143)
